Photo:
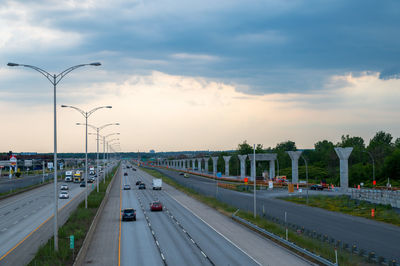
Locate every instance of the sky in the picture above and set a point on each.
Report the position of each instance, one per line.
(199, 75)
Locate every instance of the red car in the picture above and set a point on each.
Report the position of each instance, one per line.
(156, 206)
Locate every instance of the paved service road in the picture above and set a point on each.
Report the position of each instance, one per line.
(366, 234)
(22, 214)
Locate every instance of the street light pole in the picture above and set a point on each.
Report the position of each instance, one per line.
(104, 151)
(55, 79)
(86, 115)
(373, 166)
(254, 184)
(98, 139)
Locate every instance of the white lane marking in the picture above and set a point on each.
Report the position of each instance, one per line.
(184, 230)
(203, 253)
(227, 239)
(157, 243)
(192, 240)
(162, 256)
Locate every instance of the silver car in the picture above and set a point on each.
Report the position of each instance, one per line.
(64, 195)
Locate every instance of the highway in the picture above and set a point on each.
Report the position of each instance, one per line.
(366, 234)
(24, 213)
(175, 230)
(177, 236)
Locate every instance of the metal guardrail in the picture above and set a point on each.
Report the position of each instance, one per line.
(284, 241)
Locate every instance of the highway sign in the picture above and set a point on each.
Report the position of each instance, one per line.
(50, 165)
(28, 163)
(71, 242)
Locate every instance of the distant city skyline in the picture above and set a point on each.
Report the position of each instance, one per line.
(182, 75)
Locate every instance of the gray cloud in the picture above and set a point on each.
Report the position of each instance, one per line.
(262, 46)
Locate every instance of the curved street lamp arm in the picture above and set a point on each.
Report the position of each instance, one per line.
(95, 109)
(66, 71)
(76, 108)
(41, 71)
(106, 136)
(106, 125)
(89, 125)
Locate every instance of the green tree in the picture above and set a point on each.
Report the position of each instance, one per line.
(392, 166)
(244, 148)
(381, 146)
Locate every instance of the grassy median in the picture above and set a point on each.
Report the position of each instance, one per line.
(77, 225)
(323, 249)
(344, 204)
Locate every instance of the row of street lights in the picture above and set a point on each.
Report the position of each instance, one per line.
(54, 80)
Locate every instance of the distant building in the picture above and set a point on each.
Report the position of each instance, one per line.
(152, 151)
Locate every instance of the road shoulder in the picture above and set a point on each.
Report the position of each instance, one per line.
(103, 249)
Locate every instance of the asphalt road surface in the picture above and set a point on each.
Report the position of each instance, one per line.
(369, 235)
(22, 214)
(180, 238)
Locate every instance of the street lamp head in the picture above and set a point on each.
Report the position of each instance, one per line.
(109, 106)
(117, 125)
(95, 64)
(79, 124)
(63, 105)
(12, 64)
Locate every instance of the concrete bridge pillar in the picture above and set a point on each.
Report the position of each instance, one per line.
(199, 164)
(206, 164)
(294, 156)
(272, 168)
(344, 154)
(242, 159)
(193, 164)
(215, 161)
(226, 159)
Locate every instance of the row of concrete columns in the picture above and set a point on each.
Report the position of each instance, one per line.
(342, 153)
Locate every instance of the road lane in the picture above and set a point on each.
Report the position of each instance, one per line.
(172, 238)
(203, 240)
(137, 243)
(21, 214)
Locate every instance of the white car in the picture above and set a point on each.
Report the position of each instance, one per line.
(64, 195)
(64, 187)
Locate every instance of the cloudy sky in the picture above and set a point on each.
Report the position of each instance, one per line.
(189, 75)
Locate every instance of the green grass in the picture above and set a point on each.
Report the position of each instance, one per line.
(345, 204)
(77, 224)
(321, 248)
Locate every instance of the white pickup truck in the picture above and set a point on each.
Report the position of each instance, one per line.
(157, 184)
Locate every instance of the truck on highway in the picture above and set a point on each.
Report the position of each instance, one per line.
(91, 170)
(77, 177)
(68, 176)
(157, 184)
